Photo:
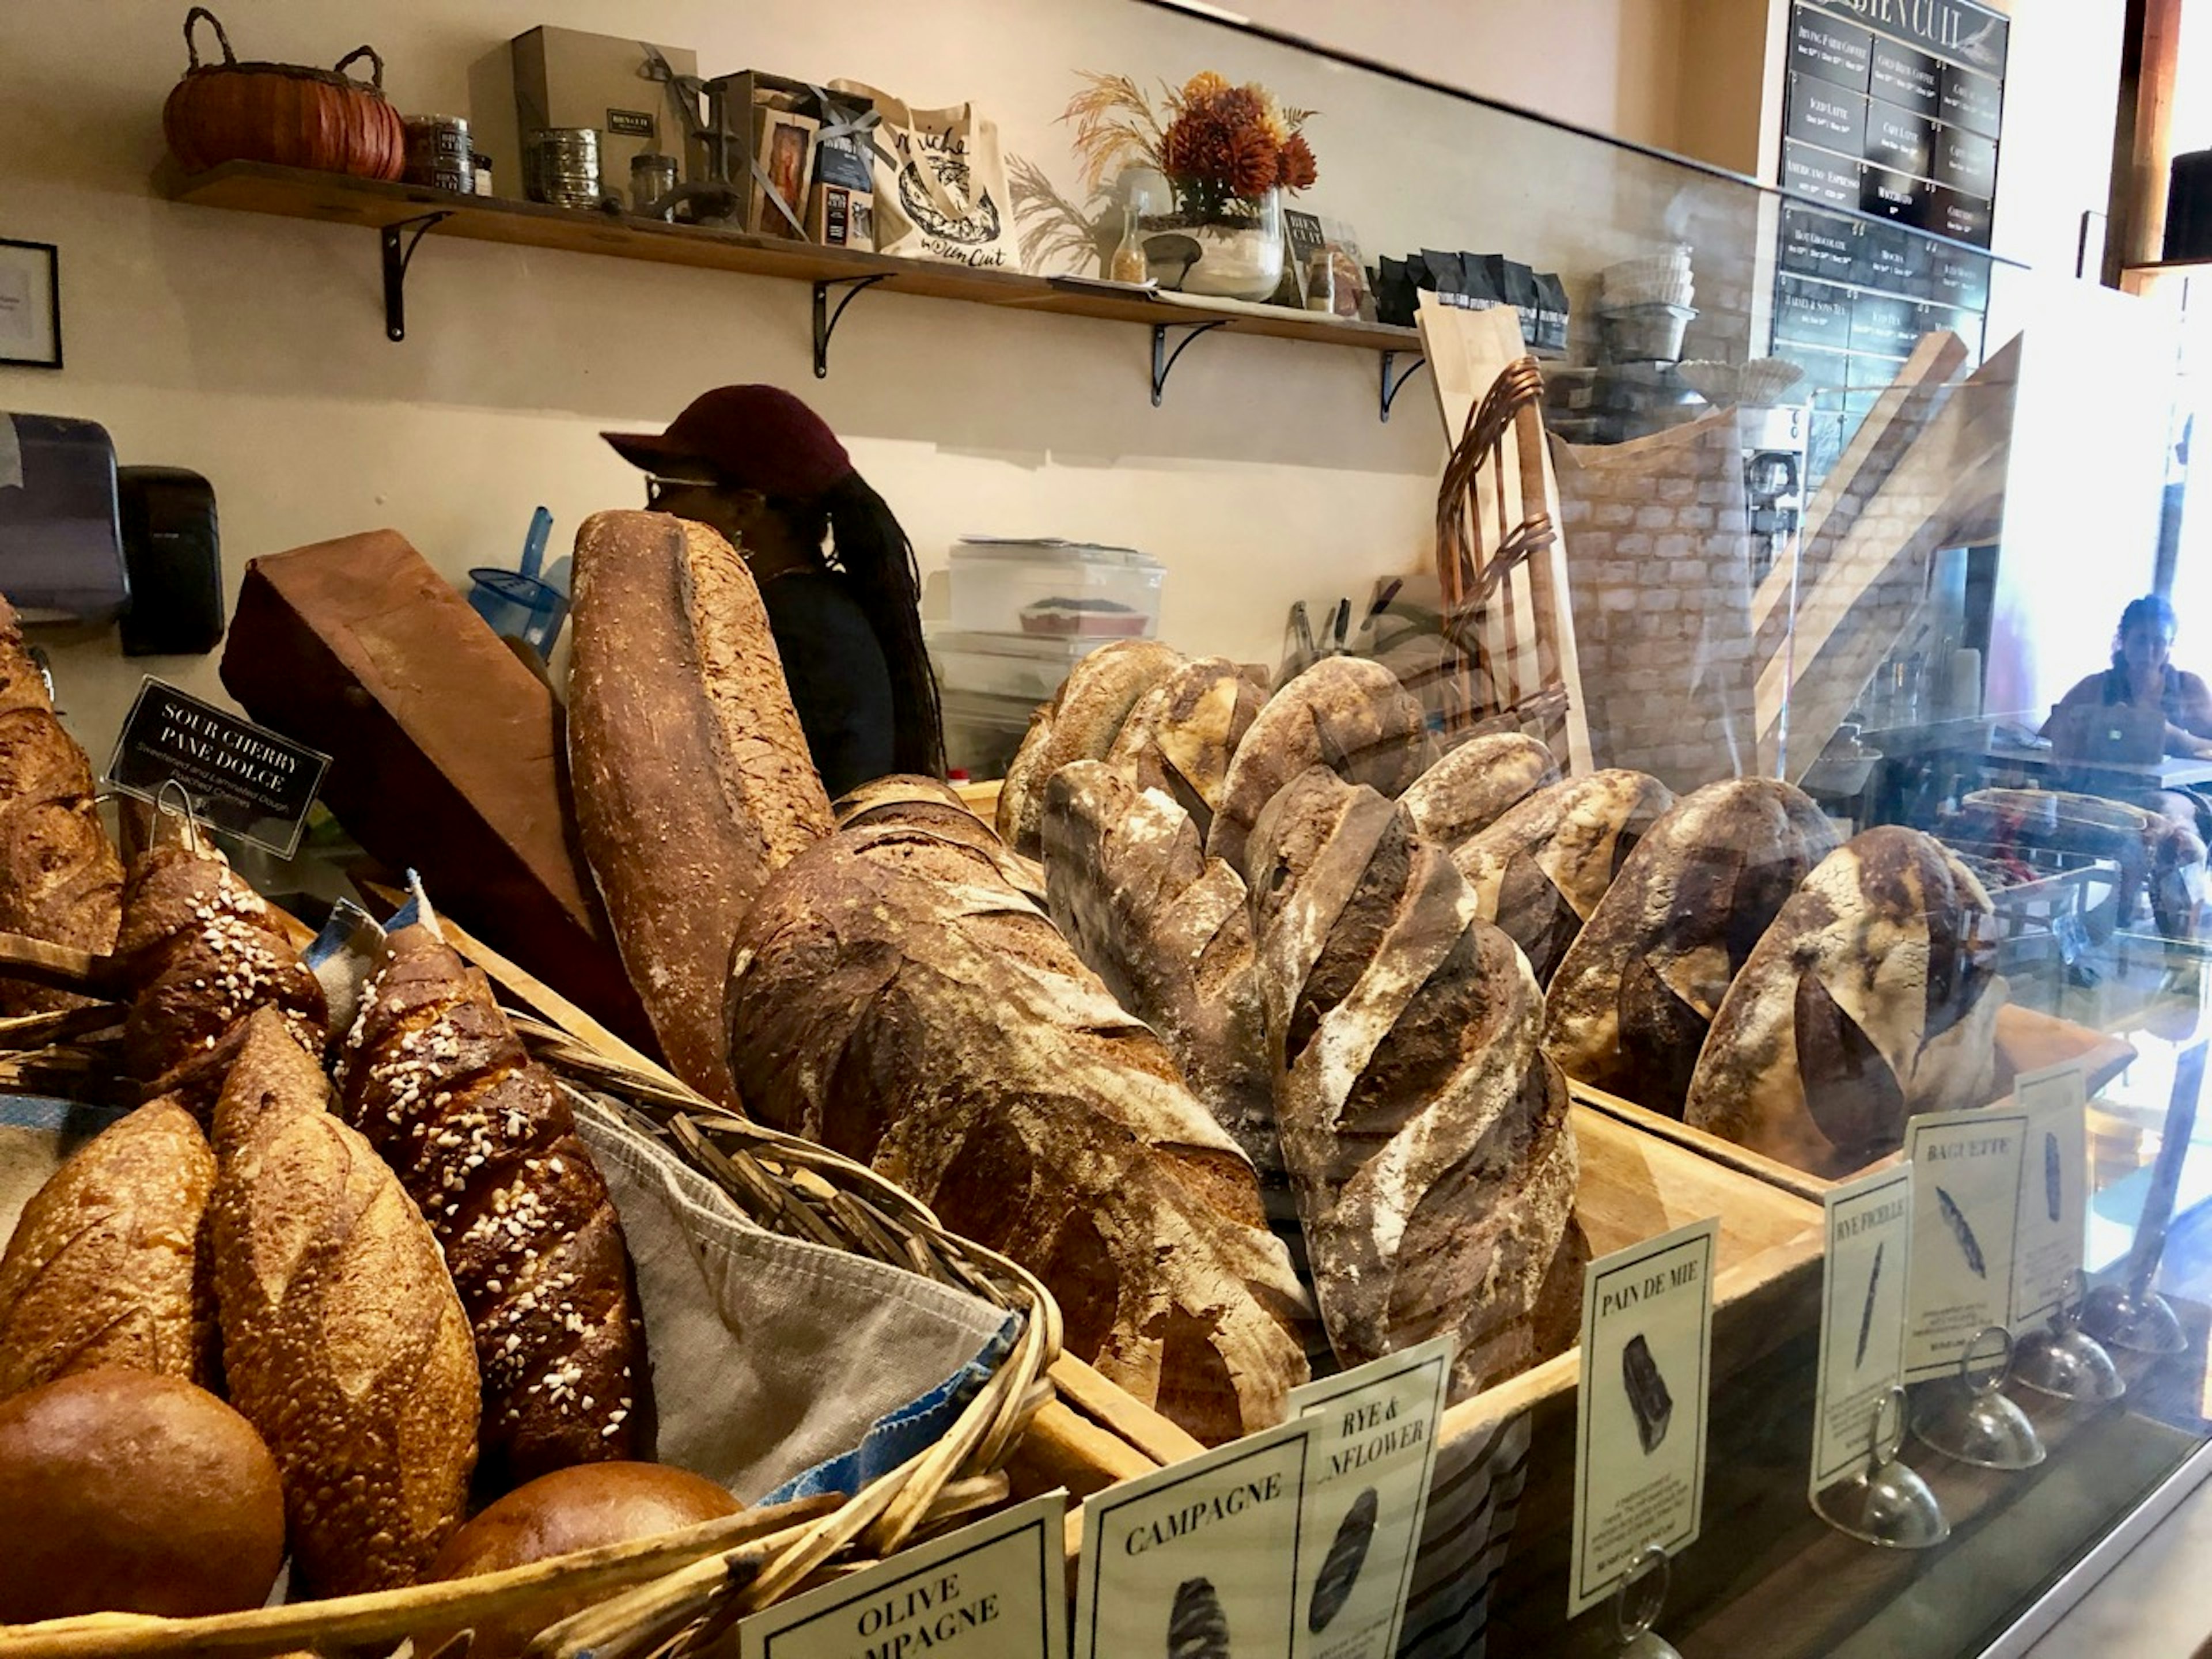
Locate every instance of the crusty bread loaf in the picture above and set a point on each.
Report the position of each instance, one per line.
(893, 997)
(1477, 783)
(1345, 713)
(205, 953)
(692, 777)
(1081, 722)
(1636, 991)
(1872, 999)
(1425, 1132)
(107, 1265)
(434, 1075)
(343, 1341)
(932, 804)
(1183, 732)
(1540, 871)
(60, 879)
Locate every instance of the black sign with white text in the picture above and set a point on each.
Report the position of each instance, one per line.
(1911, 80)
(1835, 52)
(242, 778)
(1825, 114)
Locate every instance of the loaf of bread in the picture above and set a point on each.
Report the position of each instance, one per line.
(933, 804)
(1425, 1132)
(107, 1265)
(486, 1144)
(1183, 733)
(60, 879)
(1345, 713)
(343, 1341)
(1637, 992)
(206, 954)
(893, 997)
(692, 777)
(1080, 723)
(1476, 784)
(1540, 871)
(1872, 999)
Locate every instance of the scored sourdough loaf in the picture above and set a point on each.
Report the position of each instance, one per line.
(107, 1265)
(1637, 992)
(1081, 722)
(933, 804)
(1345, 713)
(1476, 784)
(1426, 1132)
(1540, 871)
(343, 1343)
(1183, 732)
(1872, 999)
(60, 879)
(893, 997)
(692, 777)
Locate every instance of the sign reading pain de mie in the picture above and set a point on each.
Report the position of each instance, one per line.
(242, 778)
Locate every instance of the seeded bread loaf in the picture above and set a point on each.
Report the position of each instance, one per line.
(1080, 723)
(1183, 732)
(1476, 784)
(1872, 999)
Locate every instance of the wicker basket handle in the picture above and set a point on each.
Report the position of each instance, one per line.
(191, 46)
(375, 64)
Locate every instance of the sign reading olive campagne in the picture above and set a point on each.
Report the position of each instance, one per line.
(240, 778)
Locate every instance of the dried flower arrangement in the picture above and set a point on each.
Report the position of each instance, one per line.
(1222, 148)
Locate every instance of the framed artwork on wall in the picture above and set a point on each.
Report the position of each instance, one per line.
(30, 305)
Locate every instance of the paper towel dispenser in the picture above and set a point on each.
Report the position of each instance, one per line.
(61, 545)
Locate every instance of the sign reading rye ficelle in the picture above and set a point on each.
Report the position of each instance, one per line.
(242, 778)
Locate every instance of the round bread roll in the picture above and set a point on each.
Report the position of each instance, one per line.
(124, 1491)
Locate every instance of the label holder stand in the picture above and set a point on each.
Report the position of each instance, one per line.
(1634, 1614)
(1886, 1503)
(1967, 1417)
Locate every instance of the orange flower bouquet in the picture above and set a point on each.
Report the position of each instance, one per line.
(1221, 147)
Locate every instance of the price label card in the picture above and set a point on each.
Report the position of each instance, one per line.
(242, 778)
(1966, 1203)
(1640, 1423)
(1373, 1456)
(1199, 1559)
(995, 1590)
(2054, 1189)
(1862, 1284)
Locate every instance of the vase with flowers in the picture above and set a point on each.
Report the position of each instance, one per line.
(1227, 154)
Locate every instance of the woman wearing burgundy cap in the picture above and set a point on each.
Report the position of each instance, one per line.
(758, 465)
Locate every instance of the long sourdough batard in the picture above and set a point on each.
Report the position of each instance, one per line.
(1425, 1131)
(343, 1343)
(107, 1265)
(1183, 732)
(1873, 998)
(1540, 871)
(1637, 992)
(60, 879)
(692, 777)
(1346, 714)
(892, 996)
(1080, 723)
(1476, 784)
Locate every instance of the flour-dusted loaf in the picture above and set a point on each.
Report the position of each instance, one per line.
(933, 804)
(1183, 732)
(108, 1266)
(343, 1343)
(1425, 1132)
(892, 996)
(692, 777)
(1637, 992)
(1345, 713)
(1872, 999)
(1080, 723)
(60, 879)
(1477, 783)
(1540, 871)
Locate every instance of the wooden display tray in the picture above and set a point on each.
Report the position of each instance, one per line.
(2026, 1041)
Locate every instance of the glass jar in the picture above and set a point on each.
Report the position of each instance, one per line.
(1238, 242)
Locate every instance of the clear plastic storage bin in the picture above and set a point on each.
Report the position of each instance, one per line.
(1028, 666)
(1055, 590)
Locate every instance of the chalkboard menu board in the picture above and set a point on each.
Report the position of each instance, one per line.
(1892, 108)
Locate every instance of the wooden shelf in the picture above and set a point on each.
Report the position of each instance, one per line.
(393, 209)
(2142, 279)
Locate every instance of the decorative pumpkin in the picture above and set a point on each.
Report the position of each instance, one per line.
(281, 112)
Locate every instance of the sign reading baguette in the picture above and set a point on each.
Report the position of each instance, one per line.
(1966, 1199)
(995, 1590)
(2054, 1189)
(1373, 1457)
(243, 779)
(1199, 1559)
(1640, 1421)
(1867, 1266)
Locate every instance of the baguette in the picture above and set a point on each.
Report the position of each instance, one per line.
(1182, 735)
(1081, 722)
(692, 777)
(107, 1265)
(1476, 784)
(343, 1340)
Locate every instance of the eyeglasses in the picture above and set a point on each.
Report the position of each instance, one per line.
(657, 489)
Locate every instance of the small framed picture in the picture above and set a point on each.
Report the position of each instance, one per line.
(30, 305)
(783, 150)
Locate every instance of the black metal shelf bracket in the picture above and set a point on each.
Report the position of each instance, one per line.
(1164, 360)
(826, 320)
(1391, 387)
(398, 253)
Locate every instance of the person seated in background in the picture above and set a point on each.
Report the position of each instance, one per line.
(2142, 677)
